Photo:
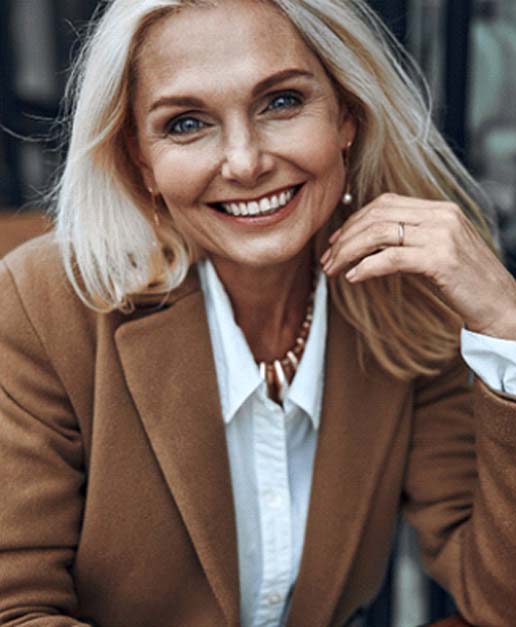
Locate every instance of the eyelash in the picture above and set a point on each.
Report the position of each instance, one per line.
(295, 100)
(291, 100)
(174, 124)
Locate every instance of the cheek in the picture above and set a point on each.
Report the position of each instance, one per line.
(182, 179)
(325, 163)
(190, 225)
(320, 152)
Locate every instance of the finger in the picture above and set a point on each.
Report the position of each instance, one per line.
(326, 256)
(370, 222)
(400, 208)
(335, 235)
(390, 200)
(394, 208)
(387, 262)
(434, 206)
(364, 228)
(372, 240)
(414, 215)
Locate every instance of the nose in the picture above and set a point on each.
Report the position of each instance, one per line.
(245, 160)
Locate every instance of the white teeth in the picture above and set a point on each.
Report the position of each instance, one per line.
(263, 206)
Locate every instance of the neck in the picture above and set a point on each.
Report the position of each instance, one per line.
(269, 303)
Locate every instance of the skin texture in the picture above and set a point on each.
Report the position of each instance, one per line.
(233, 138)
(243, 140)
(440, 243)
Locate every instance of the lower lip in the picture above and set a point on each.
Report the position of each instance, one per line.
(264, 220)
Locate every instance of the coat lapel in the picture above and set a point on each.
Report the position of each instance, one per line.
(167, 362)
(358, 422)
(169, 369)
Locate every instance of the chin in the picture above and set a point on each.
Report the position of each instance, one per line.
(267, 258)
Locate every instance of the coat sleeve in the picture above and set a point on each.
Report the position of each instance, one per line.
(460, 493)
(42, 478)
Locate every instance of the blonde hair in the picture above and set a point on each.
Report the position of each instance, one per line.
(113, 253)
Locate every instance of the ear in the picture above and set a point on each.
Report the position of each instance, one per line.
(347, 128)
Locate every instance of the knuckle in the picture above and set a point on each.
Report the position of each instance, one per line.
(388, 198)
(376, 213)
(453, 213)
(376, 232)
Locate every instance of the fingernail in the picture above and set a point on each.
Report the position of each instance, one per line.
(351, 274)
(326, 256)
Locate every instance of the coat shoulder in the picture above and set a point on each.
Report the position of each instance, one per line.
(33, 277)
(34, 284)
(35, 267)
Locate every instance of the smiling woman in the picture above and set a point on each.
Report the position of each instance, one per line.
(257, 123)
(272, 252)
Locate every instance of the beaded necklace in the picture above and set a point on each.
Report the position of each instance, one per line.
(278, 374)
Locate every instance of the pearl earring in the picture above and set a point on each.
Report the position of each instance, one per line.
(347, 197)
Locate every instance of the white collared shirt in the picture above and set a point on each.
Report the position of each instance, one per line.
(271, 453)
(271, 450)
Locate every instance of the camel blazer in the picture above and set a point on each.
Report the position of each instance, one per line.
(116, 505)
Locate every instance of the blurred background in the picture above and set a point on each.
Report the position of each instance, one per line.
(467, 51)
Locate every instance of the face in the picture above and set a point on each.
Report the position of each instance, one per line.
(240, 131)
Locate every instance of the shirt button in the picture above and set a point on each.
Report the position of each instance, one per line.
(274, 500)
(274, 598)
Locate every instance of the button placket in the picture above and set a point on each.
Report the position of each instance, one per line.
(271, 467)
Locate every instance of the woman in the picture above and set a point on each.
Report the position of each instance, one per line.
(196, 434)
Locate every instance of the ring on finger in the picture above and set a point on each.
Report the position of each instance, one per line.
(401, 233)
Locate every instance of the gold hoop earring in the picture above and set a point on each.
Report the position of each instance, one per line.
(347, 197)
(155, 215)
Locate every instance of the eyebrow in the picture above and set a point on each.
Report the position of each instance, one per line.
(279, 77)
(261, 86)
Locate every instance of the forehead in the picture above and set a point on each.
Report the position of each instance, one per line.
(242, 39)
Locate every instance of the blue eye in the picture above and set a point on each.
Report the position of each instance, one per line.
(284, 101)
(185, 126)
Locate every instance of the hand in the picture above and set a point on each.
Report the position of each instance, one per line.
(440, 243)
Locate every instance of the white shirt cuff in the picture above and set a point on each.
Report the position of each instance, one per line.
(491, 359)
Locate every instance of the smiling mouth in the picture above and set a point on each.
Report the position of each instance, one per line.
(266, 205)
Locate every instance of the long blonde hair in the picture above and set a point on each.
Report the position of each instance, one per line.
(113, 253)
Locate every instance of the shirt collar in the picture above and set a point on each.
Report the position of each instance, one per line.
(237, 372)
(307, 386)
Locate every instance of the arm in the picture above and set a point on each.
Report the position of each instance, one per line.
(460, 493)
(42, 477)
(461, 476)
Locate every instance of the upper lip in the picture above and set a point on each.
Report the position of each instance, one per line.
(274, 192)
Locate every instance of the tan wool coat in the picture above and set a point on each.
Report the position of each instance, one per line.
(116, 507)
